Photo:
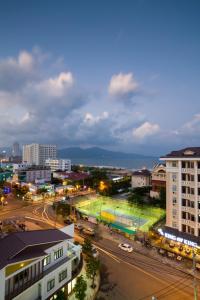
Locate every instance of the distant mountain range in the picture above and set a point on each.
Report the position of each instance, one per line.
(98, 153)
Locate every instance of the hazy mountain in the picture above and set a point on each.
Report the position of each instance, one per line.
(95, 152)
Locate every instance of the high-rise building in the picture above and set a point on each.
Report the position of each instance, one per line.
(15, 149)
(58, 164)
(36, 154)
(183, 194)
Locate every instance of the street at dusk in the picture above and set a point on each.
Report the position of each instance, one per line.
(99, 150)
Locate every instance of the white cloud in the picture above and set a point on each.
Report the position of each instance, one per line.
(25, 60)
(57, 86)
(145, 130)
(123, 85)
(90, 119)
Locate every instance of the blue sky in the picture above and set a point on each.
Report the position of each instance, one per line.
(123, 75)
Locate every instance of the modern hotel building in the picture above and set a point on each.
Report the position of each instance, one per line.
(183, 195)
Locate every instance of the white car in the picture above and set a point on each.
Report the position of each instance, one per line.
(126, 247)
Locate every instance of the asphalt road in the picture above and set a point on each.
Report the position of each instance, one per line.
(129, 276)
(138, 277)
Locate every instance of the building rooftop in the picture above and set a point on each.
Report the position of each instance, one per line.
(73, 175)
(143, 172)
(17, 245)
(186, 152)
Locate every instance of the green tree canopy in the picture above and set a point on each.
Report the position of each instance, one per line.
(80, 288)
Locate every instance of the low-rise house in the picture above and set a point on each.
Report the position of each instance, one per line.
(158, 180)
(37, 264)
(141, 178)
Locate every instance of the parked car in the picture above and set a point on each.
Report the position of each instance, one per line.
(88, 231)
(125, 247)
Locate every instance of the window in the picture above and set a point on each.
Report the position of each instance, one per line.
(174, 213)
(174, 177)
(192, 218)
(174, 164)
(174, 225)
(198, 205)
(198, 164)
(192, 191)
(174, 200)
(183, 227)
(173, 188)
(184, 189)
(192, 204)
(191, 177)
(184, 176)
(58, 253)
(47, 260)
(63, 275)
(183, 215)
(183, 202)
(183, 165)
(50, 284)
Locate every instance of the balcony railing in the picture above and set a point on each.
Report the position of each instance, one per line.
(23, 287)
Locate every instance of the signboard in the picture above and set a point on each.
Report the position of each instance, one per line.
(178, 238)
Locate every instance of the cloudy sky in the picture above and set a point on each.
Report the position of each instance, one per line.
(122, 75)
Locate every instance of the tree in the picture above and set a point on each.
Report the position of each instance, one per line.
(80, 288)
(92, 267)
(61, 295)
(87, 246)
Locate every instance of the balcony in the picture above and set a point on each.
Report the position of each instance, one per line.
(187, 183)
(23, 286)
(187, 170)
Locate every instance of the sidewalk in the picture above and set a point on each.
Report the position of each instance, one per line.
(90, 293)
(183, 266)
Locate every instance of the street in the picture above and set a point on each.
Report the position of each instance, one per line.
(126, 276)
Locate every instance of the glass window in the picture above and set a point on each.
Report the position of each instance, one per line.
(63, 275)
(174, 164)
(47, 260)
(50, 284)
(58, 253)
(173, 188)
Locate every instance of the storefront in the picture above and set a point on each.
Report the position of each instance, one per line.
(180, 243)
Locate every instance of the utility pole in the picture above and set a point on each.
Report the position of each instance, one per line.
(194, 278)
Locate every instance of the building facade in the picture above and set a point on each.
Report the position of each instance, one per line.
(37, 154)
(158, 180)
(59, 164)
(16, 149)
(141, 178)
(33, 174)
(37, 264)
(183, 191)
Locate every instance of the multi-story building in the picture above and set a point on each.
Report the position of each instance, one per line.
(34, 174)
(36, 154)
(141, 178)
(37, 264)
(183, 193)
(16, 149)
(158, 180)
(59, 164)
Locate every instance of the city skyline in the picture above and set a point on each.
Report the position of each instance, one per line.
(100, 74)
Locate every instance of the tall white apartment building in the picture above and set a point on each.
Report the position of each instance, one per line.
(36, 154)
(183, 192)
(37, 264)
(58, 164)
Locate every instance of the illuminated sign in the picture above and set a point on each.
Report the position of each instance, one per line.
(177, 238)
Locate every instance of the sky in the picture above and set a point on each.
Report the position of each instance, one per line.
(121, 75)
